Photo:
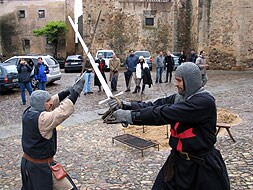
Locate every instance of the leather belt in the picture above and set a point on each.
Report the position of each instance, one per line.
(187, 156)
(38, 161)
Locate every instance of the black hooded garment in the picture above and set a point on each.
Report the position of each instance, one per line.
(193, 127)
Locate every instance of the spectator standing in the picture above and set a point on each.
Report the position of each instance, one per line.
(142, 70)
(182, 58)
(102, 67)
(201, 62)
(87, 68)
(114, 64)
(40, 74)
(39, 138)
(159, 61)
(169, 65)
(194, 162)
(193, 56)
(131, 63)
(24, 72)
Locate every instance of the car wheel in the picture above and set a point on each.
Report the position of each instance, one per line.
(66, 71)
(33, 81)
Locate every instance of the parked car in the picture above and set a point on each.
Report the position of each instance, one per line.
(107, 55)
(54, 69)
(176, 53)
(147, 57)
(73, 63)
(61, 62)
(176, 64)
(8, 77)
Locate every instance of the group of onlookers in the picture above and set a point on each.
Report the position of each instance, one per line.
(136, 69)
(24, 73)
(167, 63)
(87, 69)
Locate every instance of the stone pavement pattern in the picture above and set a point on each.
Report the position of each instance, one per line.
(86, 151)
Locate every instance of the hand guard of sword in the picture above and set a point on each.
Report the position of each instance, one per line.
(114, 104)
(115, 114)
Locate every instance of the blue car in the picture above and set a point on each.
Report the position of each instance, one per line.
(8, 77)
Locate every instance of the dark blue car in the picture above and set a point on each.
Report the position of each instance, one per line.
(8, 77)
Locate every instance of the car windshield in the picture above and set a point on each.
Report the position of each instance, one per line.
(50, 61)
(12, 61)
(106, 54)
(11, 69)
(145, 54)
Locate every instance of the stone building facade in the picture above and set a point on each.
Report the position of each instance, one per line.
(222, 28)
(19, 18)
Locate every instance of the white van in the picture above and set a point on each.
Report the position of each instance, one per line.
(107, 55)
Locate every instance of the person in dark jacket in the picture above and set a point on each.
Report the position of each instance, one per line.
(40, 74)
(102, 67)
(182, 58)
(131, 63)
(193, 56)
(39, 137)
(24, 72)
(169, 64)
(194, 162)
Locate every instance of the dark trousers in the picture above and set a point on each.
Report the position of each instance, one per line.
(168, 72)
(36, 176)
(42, 85)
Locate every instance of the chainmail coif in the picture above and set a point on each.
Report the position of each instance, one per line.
(190, 73)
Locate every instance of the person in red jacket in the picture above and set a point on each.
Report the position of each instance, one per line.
(102, 67)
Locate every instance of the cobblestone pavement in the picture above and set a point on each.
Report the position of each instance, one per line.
(85, 145)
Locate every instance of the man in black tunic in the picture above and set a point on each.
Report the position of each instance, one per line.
(194, 162)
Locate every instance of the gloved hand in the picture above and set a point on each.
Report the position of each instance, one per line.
(78, 86)
(118, 104)
(115, 102)
(120, 116)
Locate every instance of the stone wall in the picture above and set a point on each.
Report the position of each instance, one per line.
(227, 32)
(222, 28)
(121, 26)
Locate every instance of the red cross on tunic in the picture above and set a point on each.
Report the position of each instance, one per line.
(184, 135)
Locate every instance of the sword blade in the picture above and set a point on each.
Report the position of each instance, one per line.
(85, 48)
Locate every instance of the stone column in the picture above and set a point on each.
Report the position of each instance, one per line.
(245, 41)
